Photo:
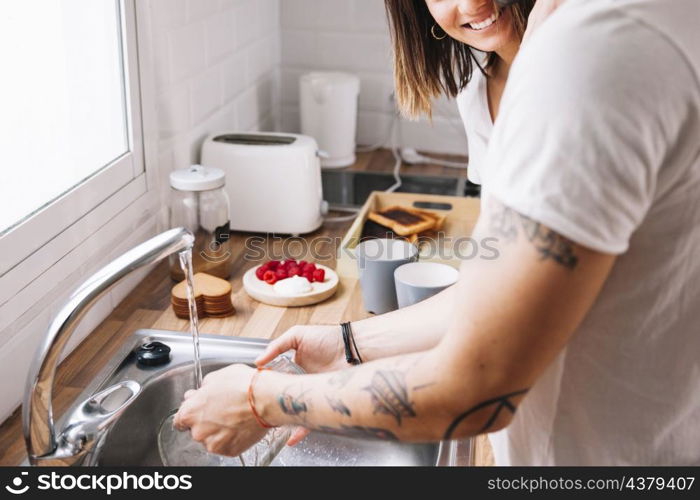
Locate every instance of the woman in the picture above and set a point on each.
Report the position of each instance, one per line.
(463, 51)
(433, 53)
(457, 60)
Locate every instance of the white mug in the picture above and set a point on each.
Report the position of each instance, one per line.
(377, 259)
(417, 281)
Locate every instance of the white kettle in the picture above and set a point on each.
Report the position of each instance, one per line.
(329, 114)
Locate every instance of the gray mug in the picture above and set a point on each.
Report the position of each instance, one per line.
(419, 280)
(377, 259)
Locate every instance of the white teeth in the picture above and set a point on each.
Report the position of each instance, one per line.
(486, 22)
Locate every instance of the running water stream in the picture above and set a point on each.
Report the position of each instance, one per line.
(186, 264)
(178, 448)
(172, 443)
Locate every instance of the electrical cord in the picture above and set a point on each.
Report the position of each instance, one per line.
(397, 170)
(387, 138)
(409, 155)
(342, 218)
(413, 157)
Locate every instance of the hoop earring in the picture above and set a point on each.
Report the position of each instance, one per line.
(432, 32)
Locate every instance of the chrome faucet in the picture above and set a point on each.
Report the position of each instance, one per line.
(90, 419)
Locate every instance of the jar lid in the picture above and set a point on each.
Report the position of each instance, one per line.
(197, 178)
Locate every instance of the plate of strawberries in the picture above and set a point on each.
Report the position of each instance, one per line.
(290, 282)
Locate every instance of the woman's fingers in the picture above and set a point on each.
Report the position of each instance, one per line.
(282, 344)
(183, 418)
(299, 434)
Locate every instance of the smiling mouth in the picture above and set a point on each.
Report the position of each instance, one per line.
(482, 25)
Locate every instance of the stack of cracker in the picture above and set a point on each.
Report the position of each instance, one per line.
(406, 222)
(212, 296)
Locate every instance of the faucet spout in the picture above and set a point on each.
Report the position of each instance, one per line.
(37, 412)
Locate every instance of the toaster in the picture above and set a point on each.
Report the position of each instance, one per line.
(273, 180)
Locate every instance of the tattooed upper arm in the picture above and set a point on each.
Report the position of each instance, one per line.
(508, 224)
(487, 414)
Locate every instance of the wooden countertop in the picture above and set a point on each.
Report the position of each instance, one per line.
(382, 161)
(149, 307)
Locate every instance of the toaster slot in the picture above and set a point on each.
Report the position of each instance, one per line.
(256, 139)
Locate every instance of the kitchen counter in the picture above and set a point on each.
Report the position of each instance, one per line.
(382, 161)
(149, 307)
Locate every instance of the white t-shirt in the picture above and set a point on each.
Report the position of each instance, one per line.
(598, 138)
(473, 107)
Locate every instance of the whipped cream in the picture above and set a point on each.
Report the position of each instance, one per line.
(295, 285)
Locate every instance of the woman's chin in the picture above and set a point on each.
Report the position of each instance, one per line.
(491, 39)
(491, 44)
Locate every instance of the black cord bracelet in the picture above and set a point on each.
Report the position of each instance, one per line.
(346, 341)
(348, 338)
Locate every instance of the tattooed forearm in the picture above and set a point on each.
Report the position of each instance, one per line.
(338, 406)
(390, 396)
(360, 432)
(506, 223)
(340, 378)
(292, 405)
(495, 405)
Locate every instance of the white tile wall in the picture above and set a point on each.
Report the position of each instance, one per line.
(223, 64)
(216, 66)
(352, 36)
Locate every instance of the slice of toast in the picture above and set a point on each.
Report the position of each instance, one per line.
(439, 219)
(404, 221)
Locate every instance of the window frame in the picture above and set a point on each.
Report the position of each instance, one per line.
(124, 175)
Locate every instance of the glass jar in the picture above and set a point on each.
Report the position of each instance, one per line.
(199, 202)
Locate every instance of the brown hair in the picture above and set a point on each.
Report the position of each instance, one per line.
(425, 67)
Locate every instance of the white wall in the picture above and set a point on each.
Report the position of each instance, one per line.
(352, 36)
(206, 65)
(216, 65)
(209, 65)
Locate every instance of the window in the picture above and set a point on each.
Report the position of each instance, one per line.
(70, 120)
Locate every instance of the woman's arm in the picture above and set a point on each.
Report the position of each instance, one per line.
(414, 328)
(406, 398)
(319, 348)
(511, 318)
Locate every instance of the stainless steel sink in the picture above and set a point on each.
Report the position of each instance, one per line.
(132, 438)
(350, 188)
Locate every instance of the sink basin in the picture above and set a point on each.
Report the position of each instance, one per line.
(132, 439)
(351, 188)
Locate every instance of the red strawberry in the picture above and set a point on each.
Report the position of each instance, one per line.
(302, 264)
(270, 277)
(281, 273)
(260, 272)
(310, 267)
(319, 275)
(309, 275)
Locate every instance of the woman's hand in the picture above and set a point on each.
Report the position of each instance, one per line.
(218, 414)
(319, 348)
(539, 13)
